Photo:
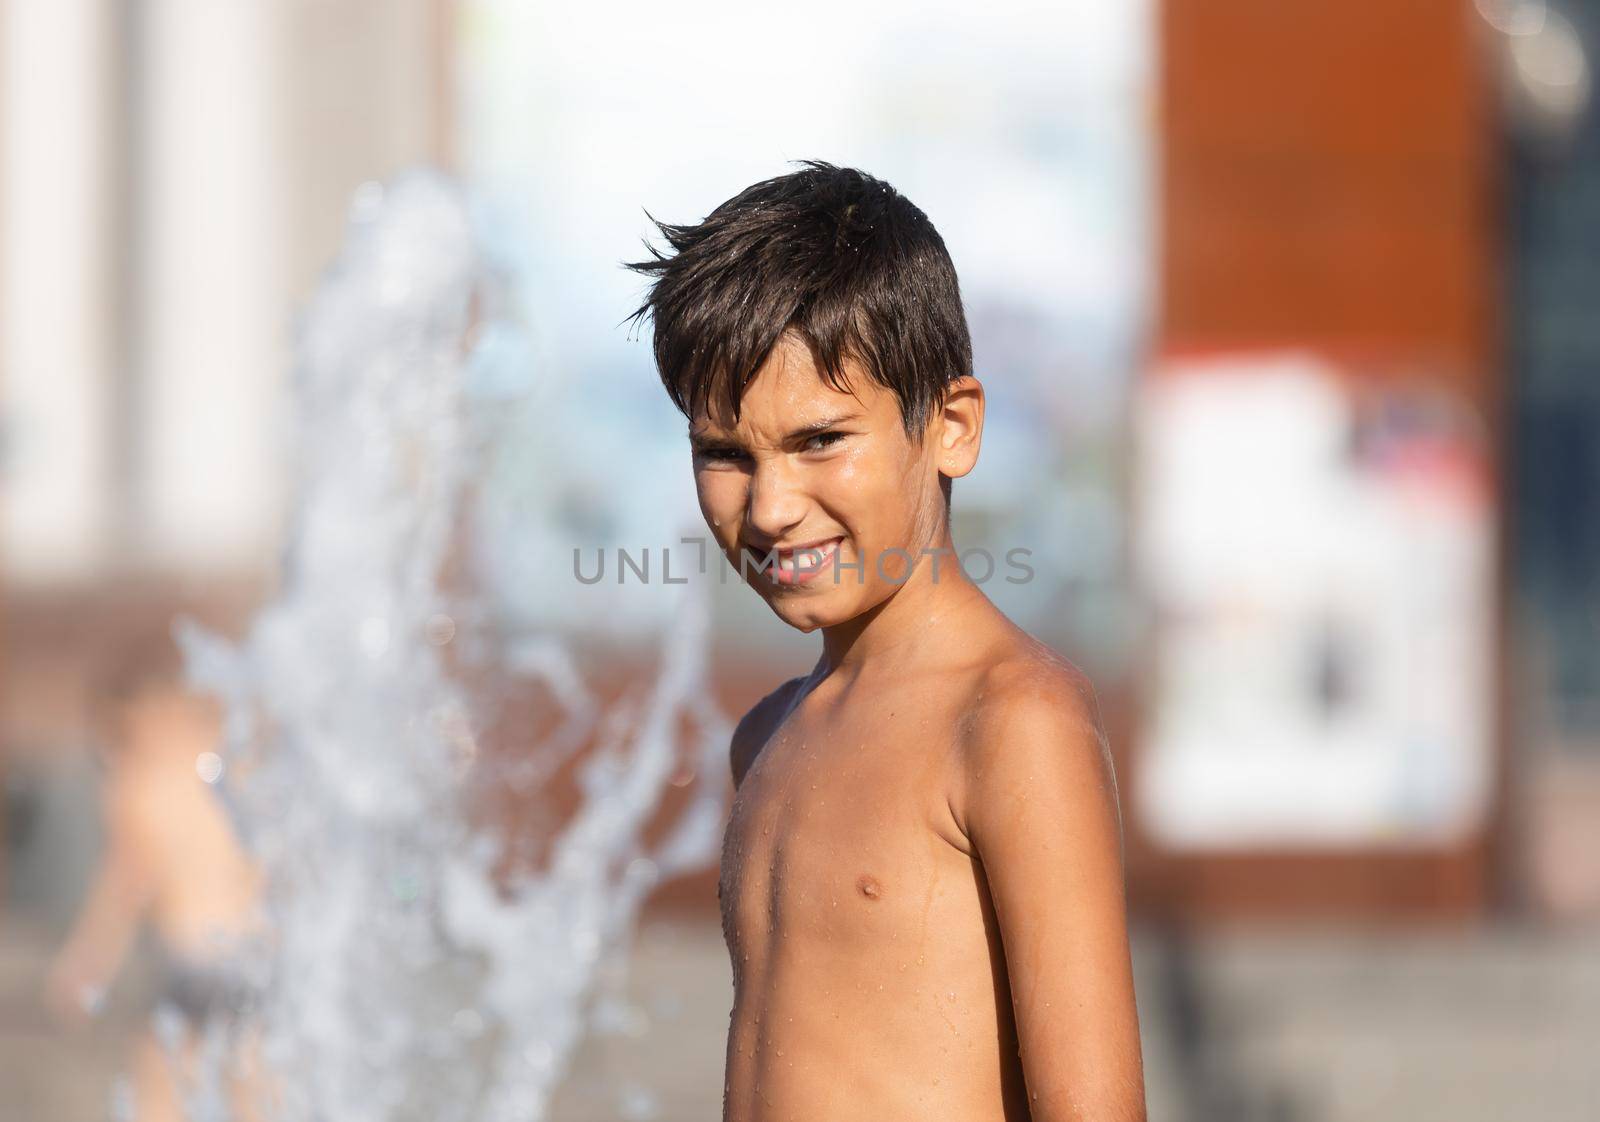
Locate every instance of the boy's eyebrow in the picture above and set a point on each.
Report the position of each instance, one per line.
(811, 428)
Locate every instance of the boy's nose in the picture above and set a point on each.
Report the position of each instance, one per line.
(775, 503)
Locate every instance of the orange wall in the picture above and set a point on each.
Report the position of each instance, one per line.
(1326, 179)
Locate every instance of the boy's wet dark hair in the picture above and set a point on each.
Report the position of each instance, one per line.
(839, 257)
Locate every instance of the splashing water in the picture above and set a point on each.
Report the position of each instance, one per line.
(404, 973)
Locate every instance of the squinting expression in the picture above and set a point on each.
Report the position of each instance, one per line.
(825, 480)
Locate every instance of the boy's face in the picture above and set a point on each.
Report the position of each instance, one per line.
(806, 465)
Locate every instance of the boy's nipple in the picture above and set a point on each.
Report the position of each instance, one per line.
(868, 886)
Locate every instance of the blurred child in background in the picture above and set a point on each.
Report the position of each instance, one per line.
(173, 861)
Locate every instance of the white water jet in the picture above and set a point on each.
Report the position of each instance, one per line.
(405, 974)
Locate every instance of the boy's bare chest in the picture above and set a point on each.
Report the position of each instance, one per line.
(836, 831)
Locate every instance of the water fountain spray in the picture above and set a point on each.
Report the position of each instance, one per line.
(404, 974)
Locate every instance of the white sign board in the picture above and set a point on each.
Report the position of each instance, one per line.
(1319, 564)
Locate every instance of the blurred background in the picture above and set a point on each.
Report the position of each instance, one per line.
(1285, 312)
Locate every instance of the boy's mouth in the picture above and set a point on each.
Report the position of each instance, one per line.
(798, 564)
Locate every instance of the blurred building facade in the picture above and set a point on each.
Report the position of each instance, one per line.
(1328, 187)
(173, 177)
(1373, 189)
(1408, 194)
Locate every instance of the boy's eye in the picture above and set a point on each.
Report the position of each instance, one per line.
(823, 440)
(727, 454)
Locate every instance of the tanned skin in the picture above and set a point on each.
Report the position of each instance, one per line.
(921, 884)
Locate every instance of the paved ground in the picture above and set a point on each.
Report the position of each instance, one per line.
(1498, 1026)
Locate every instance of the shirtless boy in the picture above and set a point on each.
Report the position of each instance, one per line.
(172, 861)
(921, 880)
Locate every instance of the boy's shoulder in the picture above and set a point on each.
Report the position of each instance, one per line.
(756, 727)
(1022, 677)
(1032, 717)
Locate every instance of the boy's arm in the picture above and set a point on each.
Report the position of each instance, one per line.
(108, 918)
(1041, 811)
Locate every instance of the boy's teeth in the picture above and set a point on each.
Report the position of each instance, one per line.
(809, 556)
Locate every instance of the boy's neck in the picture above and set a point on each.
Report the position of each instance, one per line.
(920, 608)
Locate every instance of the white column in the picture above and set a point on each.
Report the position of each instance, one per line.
(57, 270)
(212, 302)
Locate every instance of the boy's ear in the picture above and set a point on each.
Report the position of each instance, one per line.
(959, 427)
